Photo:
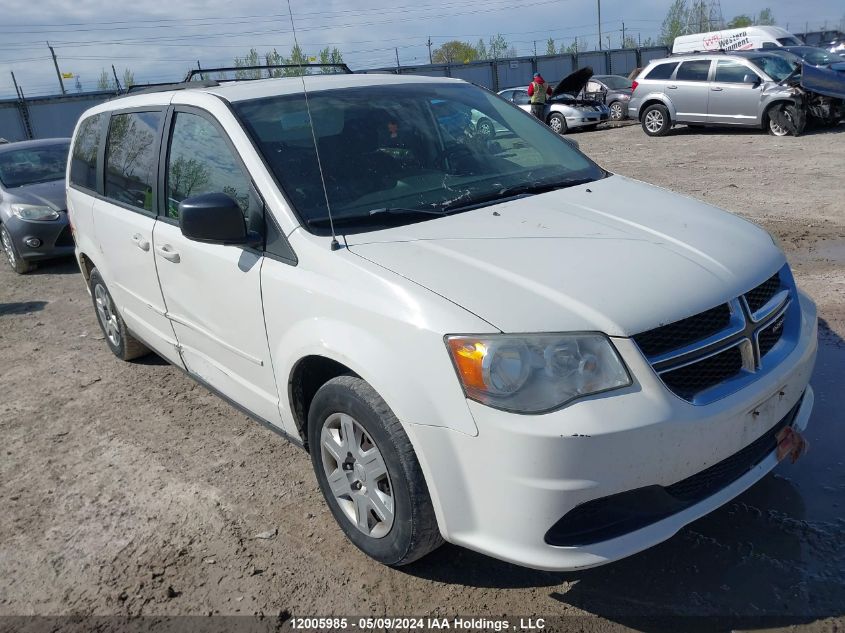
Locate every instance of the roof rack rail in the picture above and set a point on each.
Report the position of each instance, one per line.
(204, 71)
(162, 87)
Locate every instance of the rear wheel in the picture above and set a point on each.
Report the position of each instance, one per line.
(18, 264)
(557, 123)
(369, 474)
(485, 129)
(616, 111)
(656, 121)
(120, 342)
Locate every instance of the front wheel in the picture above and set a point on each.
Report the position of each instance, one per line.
(485, 129)
(787, 119)
(557, 122)
(18, 264)
(656, 121)
(369, 474)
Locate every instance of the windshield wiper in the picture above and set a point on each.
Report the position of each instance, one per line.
(515, 191)
(374, 215)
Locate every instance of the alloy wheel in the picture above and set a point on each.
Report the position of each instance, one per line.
(357, 475)
(776, 129)
(654, 121)
(554, 123)
(106, 314)
(616, 111)
(8, 248)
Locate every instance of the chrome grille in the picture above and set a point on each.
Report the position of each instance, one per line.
(718, 351)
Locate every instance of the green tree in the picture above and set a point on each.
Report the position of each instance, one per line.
(629, 42)
(572, 48)
(250, 59)
(498, 46)
(649, 42)
(128, 78)
(740, 22)
(104, 81)
(454, 52)
(481, 50)
(765, 18)
(675, 22)
(551, 49)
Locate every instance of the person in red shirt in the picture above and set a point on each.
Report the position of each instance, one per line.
(538, 92)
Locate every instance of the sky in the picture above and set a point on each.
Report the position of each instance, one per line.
(159, 40)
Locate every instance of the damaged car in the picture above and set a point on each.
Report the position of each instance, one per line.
(744, 89)
(565, 110)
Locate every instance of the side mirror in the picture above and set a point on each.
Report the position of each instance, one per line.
(754, 80)
(215, 218)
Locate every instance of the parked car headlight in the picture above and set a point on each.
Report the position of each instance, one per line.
(532, 374)
(34, 212)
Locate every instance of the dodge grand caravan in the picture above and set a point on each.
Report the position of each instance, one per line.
(468, 337)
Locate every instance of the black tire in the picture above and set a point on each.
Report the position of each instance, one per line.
(125, 346)
(656, 120)
(617, 111)
(484, 128)
(18, 264)
(414, 532)
(786, 119)
(557, 122)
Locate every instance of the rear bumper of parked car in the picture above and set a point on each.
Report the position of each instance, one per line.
(43, 239)
(506, 491)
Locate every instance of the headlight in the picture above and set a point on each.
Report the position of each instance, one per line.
(532, 374)
(34, 212)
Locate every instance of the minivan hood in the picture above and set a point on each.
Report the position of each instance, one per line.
(51, 194)
(616, 255)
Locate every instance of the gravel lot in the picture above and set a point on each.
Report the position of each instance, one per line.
(128, 490)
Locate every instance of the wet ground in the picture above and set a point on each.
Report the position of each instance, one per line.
(128, 490)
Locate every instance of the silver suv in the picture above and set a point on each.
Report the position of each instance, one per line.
(739, 89)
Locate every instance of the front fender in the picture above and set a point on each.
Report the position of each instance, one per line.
(662, 98)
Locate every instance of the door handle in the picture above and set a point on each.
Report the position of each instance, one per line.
(716, 89)
(168, 253)
(672, 87)
(140, 242)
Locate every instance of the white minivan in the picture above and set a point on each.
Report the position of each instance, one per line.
(744, 39)
(493, 342)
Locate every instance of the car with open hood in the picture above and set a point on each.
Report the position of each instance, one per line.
(472, 338)
(568, 108)
(614, 90)
(33, 212)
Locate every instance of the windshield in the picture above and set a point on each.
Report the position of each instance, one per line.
(615, 82)
(30, 165)
(818, 57)
(419, 149)
(774, 66)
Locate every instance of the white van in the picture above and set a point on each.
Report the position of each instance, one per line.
(475, 339)
(745, 39)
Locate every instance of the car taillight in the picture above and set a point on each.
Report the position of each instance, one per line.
(634, 85)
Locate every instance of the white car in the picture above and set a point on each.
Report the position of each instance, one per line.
(474, 339)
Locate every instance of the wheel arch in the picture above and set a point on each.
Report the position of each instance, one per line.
(657, 100)
(764, 118)
(86, 265)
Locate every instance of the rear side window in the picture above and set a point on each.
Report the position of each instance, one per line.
(662, 71)
(83, 160)
(697, 70)
(731, 72)
(132, 159)
(201, 161)
(520, 97)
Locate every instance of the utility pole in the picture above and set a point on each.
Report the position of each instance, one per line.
(576, 46)
(599, 4)
(623, 35)
(116, 82)
(639, 40)
(535, 48)
(429, 50)
(56, 64)
(398, 68)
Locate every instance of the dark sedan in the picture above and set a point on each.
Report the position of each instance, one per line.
(615, 91)
(33, 208)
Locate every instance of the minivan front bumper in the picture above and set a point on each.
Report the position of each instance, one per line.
(502, 491)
